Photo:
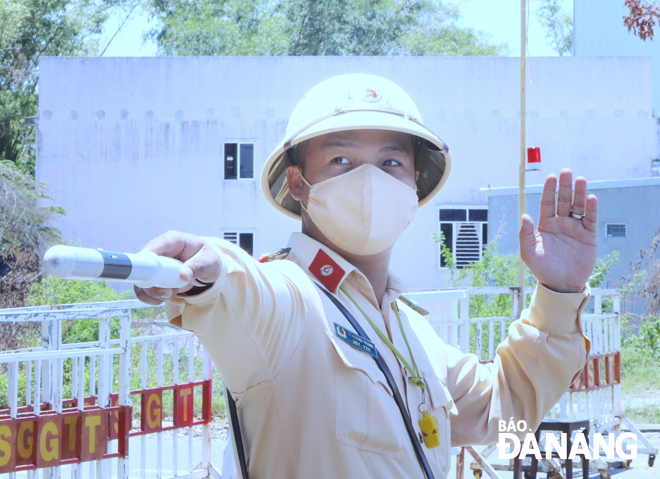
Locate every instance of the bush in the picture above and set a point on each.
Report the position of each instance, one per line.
(493, 270)
(647, 340)
(499, 270)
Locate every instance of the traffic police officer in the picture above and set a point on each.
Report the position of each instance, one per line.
(300, 338)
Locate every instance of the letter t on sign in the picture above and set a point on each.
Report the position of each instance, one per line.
(184, 406)
(94, 435)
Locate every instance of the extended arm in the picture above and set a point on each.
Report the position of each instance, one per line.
(250, 320)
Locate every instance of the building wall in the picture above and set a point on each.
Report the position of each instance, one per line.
(599, 31)
(131, 147)
(632, 202)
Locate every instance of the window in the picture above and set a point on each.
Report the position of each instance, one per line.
(244, 240)
(465, 232)
(616, 230)
(239, 161)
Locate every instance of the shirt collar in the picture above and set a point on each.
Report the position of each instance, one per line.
(314, 258)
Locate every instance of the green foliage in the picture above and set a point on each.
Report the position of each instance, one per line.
(558, 25)
(218, 405)
(647, 340)
(23, 217)
(4, 389)
(61, 291)
(499, 270)
(493, 270)
(436, 31)
(640, 370)
(30, 29)
(65, 291)
(24, 232)
(602, 269)
(56, 291)
(232, 27)
(313, 27)
(648, 414)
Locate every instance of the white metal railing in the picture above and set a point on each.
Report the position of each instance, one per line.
(110, 376)
(90, 431)
(596, 393)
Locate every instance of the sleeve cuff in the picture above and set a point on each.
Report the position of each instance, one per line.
(557, 312)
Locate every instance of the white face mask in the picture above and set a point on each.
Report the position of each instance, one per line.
(364, 211)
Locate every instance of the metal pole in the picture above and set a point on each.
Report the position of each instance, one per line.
(521, 181)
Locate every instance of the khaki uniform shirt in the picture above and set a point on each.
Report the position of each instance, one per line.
(312, 406)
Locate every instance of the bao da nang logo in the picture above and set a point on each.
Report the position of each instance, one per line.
(611, 446)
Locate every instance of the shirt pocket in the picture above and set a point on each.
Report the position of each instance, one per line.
(367, 416)
(441, 404)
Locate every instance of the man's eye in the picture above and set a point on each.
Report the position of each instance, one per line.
(340, 160)
(391, 163)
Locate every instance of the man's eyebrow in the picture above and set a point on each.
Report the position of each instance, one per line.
(398, 146)
(337, 142)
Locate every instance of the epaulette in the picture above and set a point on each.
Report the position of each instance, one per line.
(413, 306)
(279, 254)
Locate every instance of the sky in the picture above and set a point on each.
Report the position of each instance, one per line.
(500, 19)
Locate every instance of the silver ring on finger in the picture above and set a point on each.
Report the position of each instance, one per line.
(577, 217)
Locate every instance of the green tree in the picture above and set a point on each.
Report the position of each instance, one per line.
(227, 27)
(558, 25)
(436, 31)
(24, 233)
(313, 27)
(30, 29)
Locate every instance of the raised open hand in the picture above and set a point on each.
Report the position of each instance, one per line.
(562, 251)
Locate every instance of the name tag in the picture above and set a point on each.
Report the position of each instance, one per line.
(358, 342)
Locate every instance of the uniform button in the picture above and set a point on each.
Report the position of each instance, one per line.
(326, 270)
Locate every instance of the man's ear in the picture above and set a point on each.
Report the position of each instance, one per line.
(294, 179)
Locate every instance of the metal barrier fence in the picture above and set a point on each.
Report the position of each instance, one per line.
(596, 393)
(70, 406)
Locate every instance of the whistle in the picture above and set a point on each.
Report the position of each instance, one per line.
(429, 426)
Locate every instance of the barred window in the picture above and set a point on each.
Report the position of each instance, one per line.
(244, 240)
(616, 230)
(465, 232)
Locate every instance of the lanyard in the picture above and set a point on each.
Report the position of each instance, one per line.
(416, 377)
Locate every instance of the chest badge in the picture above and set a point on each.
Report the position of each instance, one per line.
(358, 342)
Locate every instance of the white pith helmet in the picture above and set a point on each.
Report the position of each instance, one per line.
(355, 102)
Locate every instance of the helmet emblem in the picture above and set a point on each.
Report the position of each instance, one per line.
(371, 96)
(366, 94)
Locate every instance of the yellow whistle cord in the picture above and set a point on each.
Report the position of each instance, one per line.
(416, 378)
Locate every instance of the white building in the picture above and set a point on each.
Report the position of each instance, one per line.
(598, 30)
(134, 147)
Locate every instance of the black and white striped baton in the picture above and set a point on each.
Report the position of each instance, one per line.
(144, 269)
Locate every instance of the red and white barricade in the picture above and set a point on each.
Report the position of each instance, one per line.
(72, 407)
